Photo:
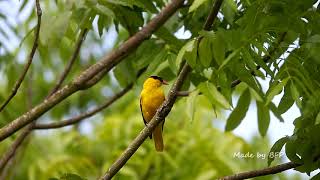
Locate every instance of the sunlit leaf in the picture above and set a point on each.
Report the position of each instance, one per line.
(204, 51)
(263, 118)
(196, 4)
(191, 104)
(214, 96)
(239, 111)
(276, 148)
(273, 91)
(286, 101)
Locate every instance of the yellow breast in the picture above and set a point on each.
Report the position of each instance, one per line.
(151, 100)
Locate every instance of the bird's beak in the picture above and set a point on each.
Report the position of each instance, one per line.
(165, 82)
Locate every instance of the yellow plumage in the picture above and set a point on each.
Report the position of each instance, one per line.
(152, 96)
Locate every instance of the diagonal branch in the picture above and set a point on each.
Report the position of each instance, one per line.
(163, 111)
(261, 172)
(11, 151)
(29, 59)
(104, 65)
(9, 154)
(14, 147)
(92, 112)
(212, 15)
(71, 61)
(85, 115)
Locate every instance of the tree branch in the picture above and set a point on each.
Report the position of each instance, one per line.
(104, 65)
(261, 172)
(10, 153)
(29, 60)
(74, 56)
(13, 148)
(183, 93)
(212, 15)
(85, 115)
(163, 110)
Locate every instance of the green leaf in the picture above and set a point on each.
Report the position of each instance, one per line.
(255, 94)
(169, 38)
(172, 65)
(291, 151)
(264, 66)
(53, 28)
(286, 101)
(196, 4)
(191, 101)
(189, 51)
(102, 22)
(214, 96)
(218, 47)
(229, 9)
(239, 111)
(191, 56)
(228, 59)
(273, 91)
(124, 73)
(156, 61)
(276, 148)
(263, 118)
(204, 52)
(104, 10)
(295, 94)
(148, 5)
(275, 111)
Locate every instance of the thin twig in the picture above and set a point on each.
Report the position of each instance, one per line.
(262, 172)
(183, 93)
(10, 153)
(96, 72)
(162, 112)
(105, 65)
(212, 15)
(29, 60)
(85, 115)
(13, 148)
(71, 61)
(5, 171)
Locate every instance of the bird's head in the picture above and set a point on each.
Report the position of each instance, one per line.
(154, 82)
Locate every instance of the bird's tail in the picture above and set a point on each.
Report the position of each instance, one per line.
(157, 135)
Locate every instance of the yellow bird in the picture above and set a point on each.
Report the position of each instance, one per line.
(151, 98)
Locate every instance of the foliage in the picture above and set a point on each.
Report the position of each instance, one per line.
(253, 42)
(194, 150)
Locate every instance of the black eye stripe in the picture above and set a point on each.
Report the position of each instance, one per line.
(157, 77)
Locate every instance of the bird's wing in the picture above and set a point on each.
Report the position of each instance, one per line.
(144, 120)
